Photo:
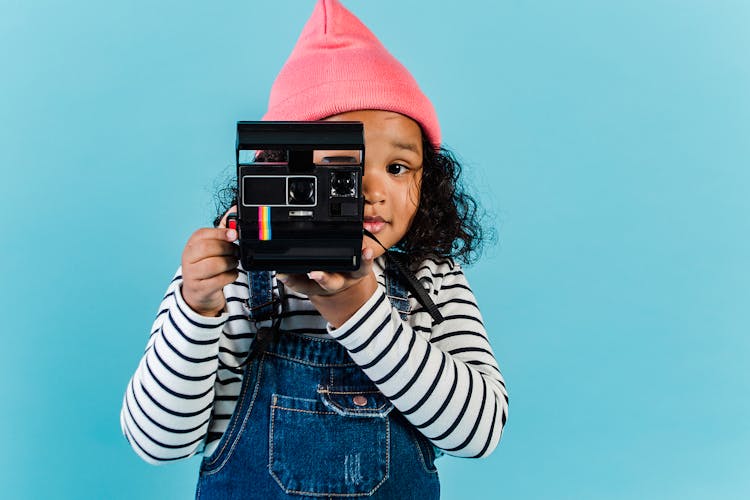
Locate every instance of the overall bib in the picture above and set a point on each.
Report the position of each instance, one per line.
(310, 424)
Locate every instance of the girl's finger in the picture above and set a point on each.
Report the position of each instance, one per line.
(223, 222)
(215, 283)
(209, 267)
(321, 278)
(329, 282)
(365, 266)
(294, 281)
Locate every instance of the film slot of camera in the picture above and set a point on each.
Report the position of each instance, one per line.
(300, 201)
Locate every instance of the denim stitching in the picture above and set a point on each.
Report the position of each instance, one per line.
(308, 363)
(415, 440)
(327, 391)
(274, 406)
(358, 410)
(236, 439)
(313, 338)
(355, 410)
(274, 400)
(228, 432)
(401, 301)
(304, 411)
(345, 409)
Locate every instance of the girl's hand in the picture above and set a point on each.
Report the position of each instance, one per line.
(209, 263)
(336, 296)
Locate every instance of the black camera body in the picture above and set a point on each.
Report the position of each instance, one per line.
(300, 202)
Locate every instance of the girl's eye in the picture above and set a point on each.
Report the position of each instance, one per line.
(397, 169)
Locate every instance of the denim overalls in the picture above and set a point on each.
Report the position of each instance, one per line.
(310, 424)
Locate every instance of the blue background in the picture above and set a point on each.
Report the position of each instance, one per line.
(608, 138)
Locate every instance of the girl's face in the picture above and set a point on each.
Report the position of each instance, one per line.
(392, 176)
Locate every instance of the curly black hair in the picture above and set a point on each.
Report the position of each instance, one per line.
(447, 223)
(448, 220)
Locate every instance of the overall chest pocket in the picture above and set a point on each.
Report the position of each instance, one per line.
(336, 445)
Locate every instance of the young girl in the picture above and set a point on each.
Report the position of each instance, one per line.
(361, 386)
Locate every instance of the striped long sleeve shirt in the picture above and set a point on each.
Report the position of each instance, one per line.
(443, 378)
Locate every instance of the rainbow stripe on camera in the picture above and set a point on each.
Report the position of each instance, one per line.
(264, 223)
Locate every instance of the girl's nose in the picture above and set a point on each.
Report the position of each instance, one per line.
(373, 187)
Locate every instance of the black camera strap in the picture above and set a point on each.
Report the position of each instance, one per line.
(412, 283)
(262, 305)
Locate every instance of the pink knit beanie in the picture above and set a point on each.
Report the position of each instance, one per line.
(338, 65)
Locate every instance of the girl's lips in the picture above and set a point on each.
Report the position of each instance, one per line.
(374, 224)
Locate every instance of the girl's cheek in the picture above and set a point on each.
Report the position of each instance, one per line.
(416, 189)
(413, 196)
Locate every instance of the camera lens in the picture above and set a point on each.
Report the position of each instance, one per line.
(344, 184)
(302, 191)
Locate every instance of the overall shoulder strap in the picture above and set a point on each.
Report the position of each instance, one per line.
(409, 281)
(262, 304)
(395, 290)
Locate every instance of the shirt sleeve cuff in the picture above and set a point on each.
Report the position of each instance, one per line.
(195, 318)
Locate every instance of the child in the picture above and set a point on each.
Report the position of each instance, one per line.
(362, 386)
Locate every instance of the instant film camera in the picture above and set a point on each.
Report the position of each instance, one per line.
(300, 202)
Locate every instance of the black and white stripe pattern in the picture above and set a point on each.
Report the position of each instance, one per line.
(443, 378)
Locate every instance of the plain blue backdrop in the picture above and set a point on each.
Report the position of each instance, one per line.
(608, 138)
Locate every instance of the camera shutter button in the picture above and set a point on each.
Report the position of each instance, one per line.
(359, 400)
(231, 221)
